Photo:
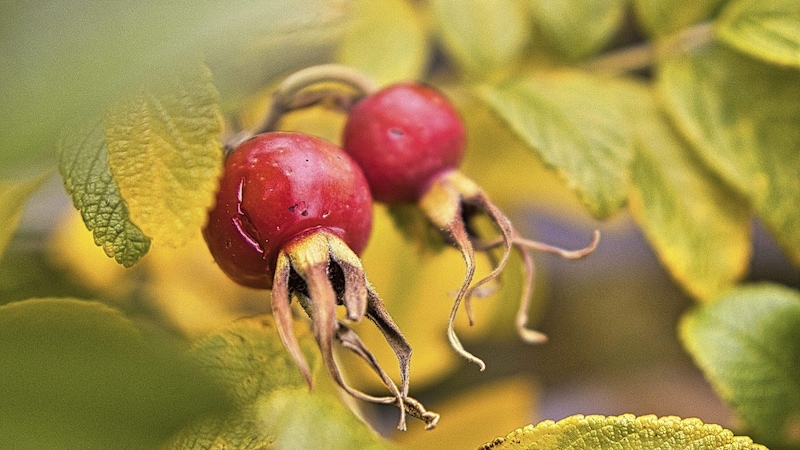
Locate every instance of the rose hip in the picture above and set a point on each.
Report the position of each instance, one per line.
(292, 213)
(409, 140)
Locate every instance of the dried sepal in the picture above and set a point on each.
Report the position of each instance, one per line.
(449, 203)
(323, 272)
(282, 312)
(409, 405)
(443, 205)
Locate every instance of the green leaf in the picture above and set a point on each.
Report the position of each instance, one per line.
(165, 153)
(386, 40)
(273, 404)
(663, 17)
(574, 124)
(747, 343)
(13, 195)
(83, 162)
(317, 419)
(67, 61)
(578, 28)
(742, 116)
(698, 227)
(483, 36)
(78, 374)
(766, 30)
(625, 432)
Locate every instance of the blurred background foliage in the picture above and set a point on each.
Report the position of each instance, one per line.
(611, 318)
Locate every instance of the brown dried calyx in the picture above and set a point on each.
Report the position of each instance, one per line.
(323, 273)
(449, 204)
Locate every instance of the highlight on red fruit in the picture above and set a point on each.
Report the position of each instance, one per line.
(292, 213)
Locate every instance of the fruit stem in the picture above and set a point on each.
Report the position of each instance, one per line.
(284, 98)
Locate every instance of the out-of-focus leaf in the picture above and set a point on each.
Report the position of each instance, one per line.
(386, 40)
(317, 419)
(83, 163)
(65, 61)
(747, 342)
(13, 195)
(78, 373)
(273, 404)
(625, 432)
(767, 30)
(165, 154)
(577, 28)
(72, 249)
(193, 294)
(698, 227)
(464, 421)
(741, 116)
(576, 127)
(319, 121)
(26, 272)
(483, 36)
(249, 359)
(662, 17)
(503, 165)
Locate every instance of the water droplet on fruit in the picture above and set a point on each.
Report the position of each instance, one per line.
(326, 214)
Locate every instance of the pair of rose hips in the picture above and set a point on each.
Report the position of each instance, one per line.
(293, 211)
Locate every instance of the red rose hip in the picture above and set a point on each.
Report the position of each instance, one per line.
(292, 213)
(402, 137)
(409, 140)
(278, 186)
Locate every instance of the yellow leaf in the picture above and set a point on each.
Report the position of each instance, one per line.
(165, 154)
(74, 249)
(484, 37)
(625, 432)
(190, 291)
(386, 40)
(699, 229)
(469, 418)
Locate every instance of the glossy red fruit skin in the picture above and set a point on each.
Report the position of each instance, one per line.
(277, 187)
(402, 136)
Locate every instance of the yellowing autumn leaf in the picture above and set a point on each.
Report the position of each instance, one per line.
(273, 407)
(70, 247)
(193, 294)
(165, 154)
(469, 418)
(625, 432)
(83, 163)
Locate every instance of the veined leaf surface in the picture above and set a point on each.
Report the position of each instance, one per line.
(165, 153)
(83, 162)
(625, 432)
